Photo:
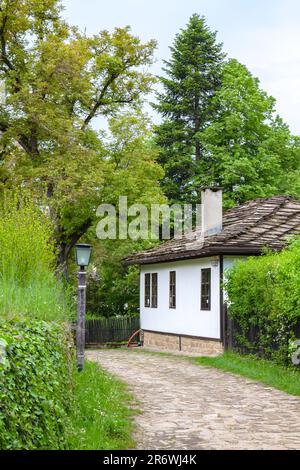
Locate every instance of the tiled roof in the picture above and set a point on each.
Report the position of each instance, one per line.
(247, 229)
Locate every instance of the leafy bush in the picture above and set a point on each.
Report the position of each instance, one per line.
(28, 286)
(264, 301)
(35, 385)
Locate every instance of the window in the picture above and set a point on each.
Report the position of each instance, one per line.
(154, 290)
(172, 291)
(151, 290)
(147, 290)
(205, 288)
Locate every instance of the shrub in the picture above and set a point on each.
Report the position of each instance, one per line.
(35, 385)
(28, 286)
(264, 301)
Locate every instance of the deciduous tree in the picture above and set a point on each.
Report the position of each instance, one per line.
(57, 81)
(249, 151)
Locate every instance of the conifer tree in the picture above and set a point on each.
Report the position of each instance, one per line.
(219, 127)
(193, 75)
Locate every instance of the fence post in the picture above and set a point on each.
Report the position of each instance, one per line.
(228, 329)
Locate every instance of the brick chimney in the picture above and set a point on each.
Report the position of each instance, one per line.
(211, 210)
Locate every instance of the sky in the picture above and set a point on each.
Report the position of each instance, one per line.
(262, 34)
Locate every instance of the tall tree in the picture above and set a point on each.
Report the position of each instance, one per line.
(248, 150)
(133, 172)
(57, 81)
(193, 75)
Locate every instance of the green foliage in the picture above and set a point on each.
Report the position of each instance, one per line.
(264, 295)
(115, 291)
(249, 151)
(28, 285)
(132, 169)
(25, 237)
(35, 385)
(219, 127)
(46, 404)
(267, 372)
(193, 75)
(56, 83)
(101, 417)
(113, 288)
(133, 172)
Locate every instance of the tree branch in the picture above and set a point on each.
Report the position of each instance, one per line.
(3, 126)
(4, 57)
(98, 101)
(29, 145)
(79, 233)
(3, 52)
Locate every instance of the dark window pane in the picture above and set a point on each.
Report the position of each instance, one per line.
(154, 291)
(205, 288)
(172, 290)
(147, 290)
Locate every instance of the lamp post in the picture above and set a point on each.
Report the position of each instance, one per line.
(83, 254)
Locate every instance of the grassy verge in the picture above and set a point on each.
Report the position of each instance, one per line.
(102, 415)
(267, 372)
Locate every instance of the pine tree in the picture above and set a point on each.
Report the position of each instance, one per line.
(193, 75)
(219, 127)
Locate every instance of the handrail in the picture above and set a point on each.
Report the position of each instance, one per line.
(132, 336)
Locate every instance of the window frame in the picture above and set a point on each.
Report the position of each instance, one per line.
(147, 290)
(172, 289)
(154, 295)
(150, 294)
(205, 296)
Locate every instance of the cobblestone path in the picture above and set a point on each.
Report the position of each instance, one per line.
(185, 406)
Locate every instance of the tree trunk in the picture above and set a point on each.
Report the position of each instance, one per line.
(63, 256)
(198, 151)
(197, 123)
(66, 247)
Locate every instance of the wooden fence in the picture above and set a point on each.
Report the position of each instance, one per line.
(232, 331)
(110, 330)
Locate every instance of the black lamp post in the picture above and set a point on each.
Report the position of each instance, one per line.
(83, 254)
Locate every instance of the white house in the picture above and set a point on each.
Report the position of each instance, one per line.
(181, 294)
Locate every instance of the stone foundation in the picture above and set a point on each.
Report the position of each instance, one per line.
(181, 343)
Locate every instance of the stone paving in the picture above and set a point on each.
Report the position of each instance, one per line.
(186, 406)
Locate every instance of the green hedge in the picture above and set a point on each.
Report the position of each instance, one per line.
(35, 385)
(264, 302)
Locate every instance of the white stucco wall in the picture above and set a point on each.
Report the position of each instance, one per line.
(187, 318)
(228, 261)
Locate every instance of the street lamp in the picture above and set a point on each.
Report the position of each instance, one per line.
(83, 254)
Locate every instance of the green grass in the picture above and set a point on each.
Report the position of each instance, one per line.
(103, 412)
(40, 299)
(267, 372)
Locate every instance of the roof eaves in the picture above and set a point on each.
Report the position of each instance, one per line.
(203, 253)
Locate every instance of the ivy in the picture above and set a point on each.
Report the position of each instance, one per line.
(35, 385)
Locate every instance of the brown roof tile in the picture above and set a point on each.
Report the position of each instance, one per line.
(247, 229)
